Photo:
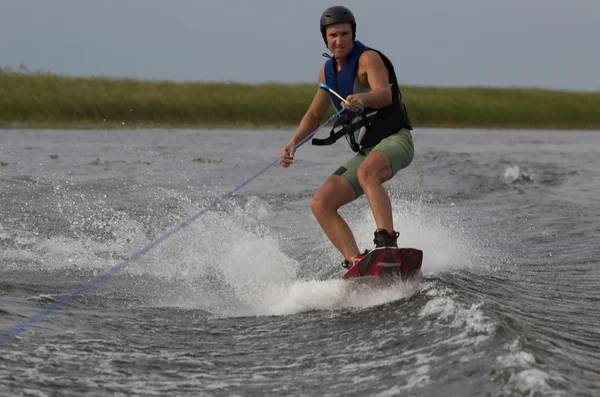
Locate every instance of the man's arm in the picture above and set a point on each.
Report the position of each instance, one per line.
(311, 120)
(315, 113)
(378, 78)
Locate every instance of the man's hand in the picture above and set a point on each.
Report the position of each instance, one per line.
(287, 160)
(354, 103)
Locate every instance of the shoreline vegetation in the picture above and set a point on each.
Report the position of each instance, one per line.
(42, 100)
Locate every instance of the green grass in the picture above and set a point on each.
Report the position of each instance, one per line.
(44, 100)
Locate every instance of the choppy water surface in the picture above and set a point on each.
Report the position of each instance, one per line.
(245, 301)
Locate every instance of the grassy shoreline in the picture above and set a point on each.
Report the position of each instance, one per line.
(50, 101)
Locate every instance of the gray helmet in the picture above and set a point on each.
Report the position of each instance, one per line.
(337, 14)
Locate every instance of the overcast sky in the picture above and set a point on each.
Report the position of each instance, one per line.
(534, 43)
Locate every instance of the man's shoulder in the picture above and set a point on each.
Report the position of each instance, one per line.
(369, 56)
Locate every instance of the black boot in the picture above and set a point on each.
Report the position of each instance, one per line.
(383, 239)
(346, 264)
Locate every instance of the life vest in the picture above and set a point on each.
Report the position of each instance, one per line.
(368, 128)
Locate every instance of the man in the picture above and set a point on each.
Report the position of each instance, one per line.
(380, 134)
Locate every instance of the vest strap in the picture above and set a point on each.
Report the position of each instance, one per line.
(346, 126)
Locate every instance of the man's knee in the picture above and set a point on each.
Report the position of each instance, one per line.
(319, 204)
(331, 196)
(378, 171)
(367, 175)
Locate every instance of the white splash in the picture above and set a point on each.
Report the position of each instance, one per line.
(514, 174)
(524, 376)
(231, 262)
(303, 296)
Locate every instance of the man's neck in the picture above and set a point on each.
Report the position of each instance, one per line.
(340, 62)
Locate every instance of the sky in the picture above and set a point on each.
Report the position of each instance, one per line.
(516, 43)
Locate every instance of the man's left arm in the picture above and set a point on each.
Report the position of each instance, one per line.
(378, 79)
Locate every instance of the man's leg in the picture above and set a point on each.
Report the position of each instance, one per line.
(333, 194)
(372, 173)
(381, 164)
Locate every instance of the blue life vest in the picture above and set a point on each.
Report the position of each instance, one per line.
(342, 82)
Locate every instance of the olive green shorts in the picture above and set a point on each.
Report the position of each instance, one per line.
(398, 147)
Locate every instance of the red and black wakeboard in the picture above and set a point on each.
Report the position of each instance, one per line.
(403, 262)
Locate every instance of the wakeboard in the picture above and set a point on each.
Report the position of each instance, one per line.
(388, 261)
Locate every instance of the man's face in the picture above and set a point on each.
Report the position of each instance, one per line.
(339, 39)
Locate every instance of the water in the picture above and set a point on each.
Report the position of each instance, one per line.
(245, 300)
